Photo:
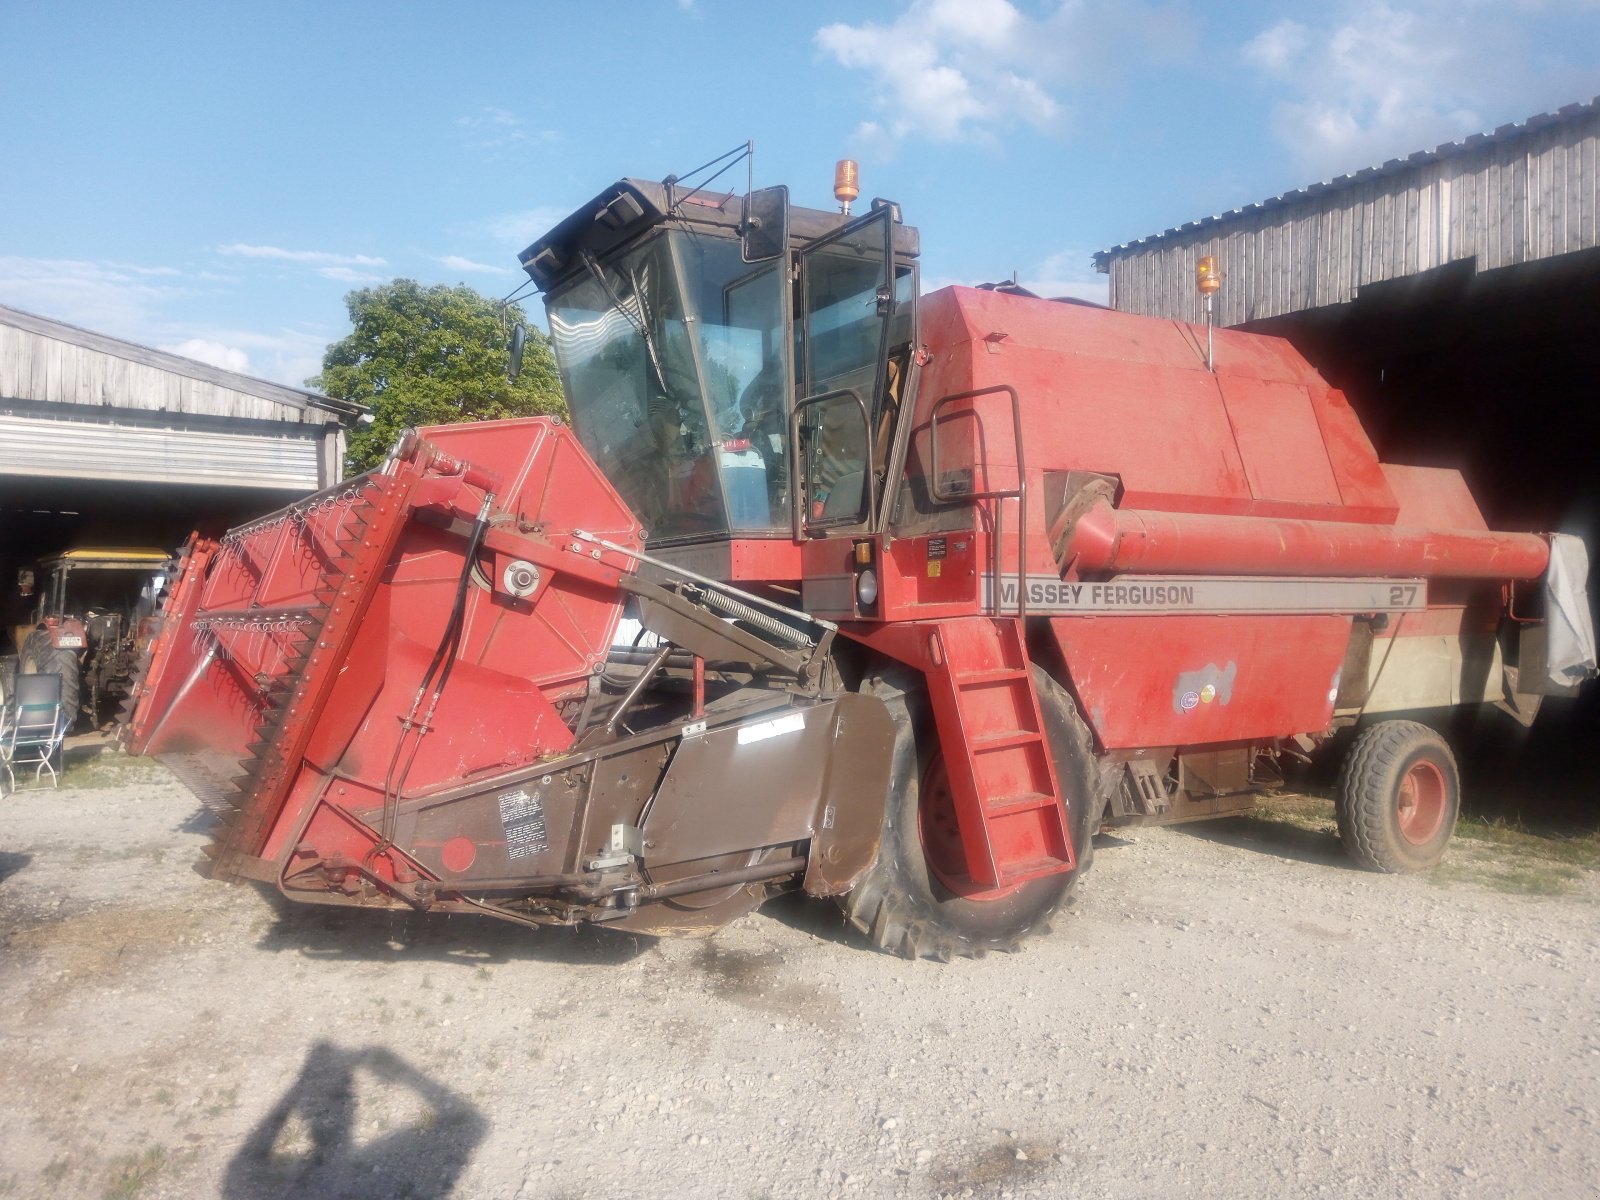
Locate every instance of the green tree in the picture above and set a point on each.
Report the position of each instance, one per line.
(431, 355)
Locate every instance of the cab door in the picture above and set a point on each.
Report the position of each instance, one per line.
(848, 303)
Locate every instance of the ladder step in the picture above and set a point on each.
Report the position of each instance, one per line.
(1022, 872)
(994, 675)
(1005, 806)
(1004, 741)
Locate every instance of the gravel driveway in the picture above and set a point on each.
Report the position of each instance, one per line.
(1216, 1016)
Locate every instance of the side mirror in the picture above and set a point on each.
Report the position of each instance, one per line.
(764, 232)
(519, 343)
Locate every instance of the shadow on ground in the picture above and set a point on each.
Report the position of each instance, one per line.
(369, 935)
(11, 863)
(1265, 835)
(821, 918)
(307, 1147)
(82, 753)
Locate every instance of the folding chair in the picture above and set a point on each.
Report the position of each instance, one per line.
(33, 725)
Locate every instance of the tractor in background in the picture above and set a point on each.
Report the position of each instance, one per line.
(94, 612)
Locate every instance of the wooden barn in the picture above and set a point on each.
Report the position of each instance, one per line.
(108, 443)
(1454, 295)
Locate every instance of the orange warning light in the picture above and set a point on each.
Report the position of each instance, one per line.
(1207, 276)
(845, 186)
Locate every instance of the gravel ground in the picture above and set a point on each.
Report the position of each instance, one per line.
(1216, 1016)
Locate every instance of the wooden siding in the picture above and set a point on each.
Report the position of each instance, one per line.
(1522, 193)
(46, 362)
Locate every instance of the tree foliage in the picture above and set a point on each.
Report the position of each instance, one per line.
(431, 355)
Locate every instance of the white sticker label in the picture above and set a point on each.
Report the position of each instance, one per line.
(522, 817)
(793, 723)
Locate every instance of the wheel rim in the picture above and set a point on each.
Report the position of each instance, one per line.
(1420, 804)
(942, 848)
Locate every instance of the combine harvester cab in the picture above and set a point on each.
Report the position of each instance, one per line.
(836, 587)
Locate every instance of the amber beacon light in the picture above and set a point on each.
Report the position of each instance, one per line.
(1208, 282)
(845, 185)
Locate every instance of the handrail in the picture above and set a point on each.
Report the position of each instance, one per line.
(1020, 492)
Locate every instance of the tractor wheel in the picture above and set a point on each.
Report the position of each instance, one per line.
(1398, 797)
(39, 657)
(909, 903)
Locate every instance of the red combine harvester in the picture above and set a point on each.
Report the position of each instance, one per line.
(835, 587)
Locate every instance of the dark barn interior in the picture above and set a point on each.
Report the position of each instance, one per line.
(1496, 373)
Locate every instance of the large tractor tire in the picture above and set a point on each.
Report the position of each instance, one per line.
(39, 657)
(1398, 797)
(906, 903)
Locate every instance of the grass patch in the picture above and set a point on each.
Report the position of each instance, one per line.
(130, 1173)
(111, 768)
(1489, 851)
(57, 1170)
(1516, 879)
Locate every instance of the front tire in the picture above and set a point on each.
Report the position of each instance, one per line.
(904, 904)
(1398, 797)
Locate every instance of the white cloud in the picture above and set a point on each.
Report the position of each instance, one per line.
(229, 358)
(498, 130)
(104, 296)
(349, 275)
(1064, 273)
(517, 230)
(309, 257)
(1364, 81)
(1276, 49)
(455, 262)
(132, 301)
(287, 356)
(966, 70)
(1068, 273)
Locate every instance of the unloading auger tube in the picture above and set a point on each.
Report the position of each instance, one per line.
(415, 673)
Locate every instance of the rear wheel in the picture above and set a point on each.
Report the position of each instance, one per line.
(39, 657)
(917, 899)
(1398, 797)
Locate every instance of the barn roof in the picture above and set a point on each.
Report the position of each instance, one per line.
(1395, 166)
(48, 361)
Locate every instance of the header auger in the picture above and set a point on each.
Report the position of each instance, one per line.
(835, 587)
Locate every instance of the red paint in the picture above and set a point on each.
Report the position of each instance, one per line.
(1129, 674)
(458, 854)
(1115, 541)
(300, 643)
(1421, 802)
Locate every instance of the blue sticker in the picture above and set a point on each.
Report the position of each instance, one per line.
(1190, 699)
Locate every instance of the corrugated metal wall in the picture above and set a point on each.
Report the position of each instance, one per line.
(286, 458)
(1513, 199)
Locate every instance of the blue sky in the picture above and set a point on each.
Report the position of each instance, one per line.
(213, 178)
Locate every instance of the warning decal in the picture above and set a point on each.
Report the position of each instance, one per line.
(522, 816)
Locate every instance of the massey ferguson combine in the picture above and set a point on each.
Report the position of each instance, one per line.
(834, 587)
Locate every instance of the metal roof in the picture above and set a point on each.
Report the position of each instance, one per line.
(1394, 166)
(175, 364)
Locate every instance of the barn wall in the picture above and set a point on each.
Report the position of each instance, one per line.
(1498, 200)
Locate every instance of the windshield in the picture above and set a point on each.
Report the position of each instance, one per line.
(673, 358)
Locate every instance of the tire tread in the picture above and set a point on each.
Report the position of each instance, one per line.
(1363, 800)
